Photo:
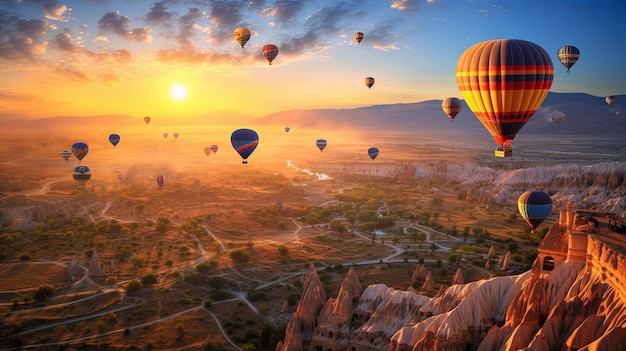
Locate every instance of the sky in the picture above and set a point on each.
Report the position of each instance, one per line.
(100, 57)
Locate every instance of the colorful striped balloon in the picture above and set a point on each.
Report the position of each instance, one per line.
(451, 106)
(270, 52)
(534, 206)
(504, 82)
(568, 55)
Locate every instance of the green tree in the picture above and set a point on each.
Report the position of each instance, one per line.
(283, 250)
(138, 261)
(239, 256)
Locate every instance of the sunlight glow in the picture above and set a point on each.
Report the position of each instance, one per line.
(178, 92)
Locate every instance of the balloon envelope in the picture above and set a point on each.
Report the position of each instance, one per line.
(321, 144)
(372, 152)
(244, 141)
(120, 176)
(80, 150)
(568, 55)
(504, 82)
(176, 135)
(287, 129)
(369, 81)
(270, 51)
(146, 119)
(66, 154)
(114, 139)
(81, 175)
(242, 35)
(610, 100)
(207, 151)
(165, 135)
(451, 106)
(534, 206)
(214, 148)
(160, 181)
(358, 36)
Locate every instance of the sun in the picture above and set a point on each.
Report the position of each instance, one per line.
(178, 92)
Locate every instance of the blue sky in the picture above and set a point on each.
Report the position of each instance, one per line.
(75, 57)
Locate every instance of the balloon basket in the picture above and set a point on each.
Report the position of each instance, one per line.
(503, 153)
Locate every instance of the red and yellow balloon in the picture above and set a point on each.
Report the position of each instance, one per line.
(504, 82)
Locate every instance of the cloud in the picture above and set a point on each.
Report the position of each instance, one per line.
(286, 11)
(113, 22)
(404, 5)
(193, 56)
(21, 38)
(71, 73)
(160, 15)
(56, 11)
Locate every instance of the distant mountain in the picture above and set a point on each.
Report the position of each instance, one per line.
(585, 115)
(71, 122)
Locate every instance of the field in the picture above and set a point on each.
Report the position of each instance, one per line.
(211, 258)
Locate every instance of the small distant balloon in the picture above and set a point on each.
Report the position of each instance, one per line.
(321, 144)
(369, 81)
(534, 206)
(568, 55)
(114, 139)
(81, 175)
(214, 148)
(80, 150)
(372, 152)
(207, 151)
(176, 135)
(358, 36)
(287, 129)
(610, 100)
(270, 51)
(146, 119)
(618, 113)
(558, 117)
(160, 181)
(165, 135)
(120, 176)
(451, 106)
(66, 154)
(244, 141)
(242, 35)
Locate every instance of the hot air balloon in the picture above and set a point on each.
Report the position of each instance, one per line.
(114, 139)
(568, 55)
(557, 117)
(160, 181)
(214, 148)
(372, 152)
(207, 151)
(321, 144)
(270, 51)
(504, 82)
(287, 129)
(534, 206)
(610, 100)
(165, 135)
(244, 141)
(146, 119)
(81, 175)
(176, 135)
(369, 81)
(66, 154)
(242, 35)
(80, 150)
(618, 113)
(451, 106)
(358, 36)
(120, 176)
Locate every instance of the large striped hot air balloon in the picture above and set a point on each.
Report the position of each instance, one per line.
(66, 154)
(270, 51)
(242, 35)
(504, 82)
(244, 141)
(451, 106)
(534, 206)
(568, 55)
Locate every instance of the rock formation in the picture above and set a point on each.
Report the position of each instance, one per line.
(95, 270)
(573, 298)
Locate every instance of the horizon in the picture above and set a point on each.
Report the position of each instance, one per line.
(70, 58)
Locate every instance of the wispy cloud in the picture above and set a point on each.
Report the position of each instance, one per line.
(404, 5)
(21, 38)
(56, 11)
(117, 24)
